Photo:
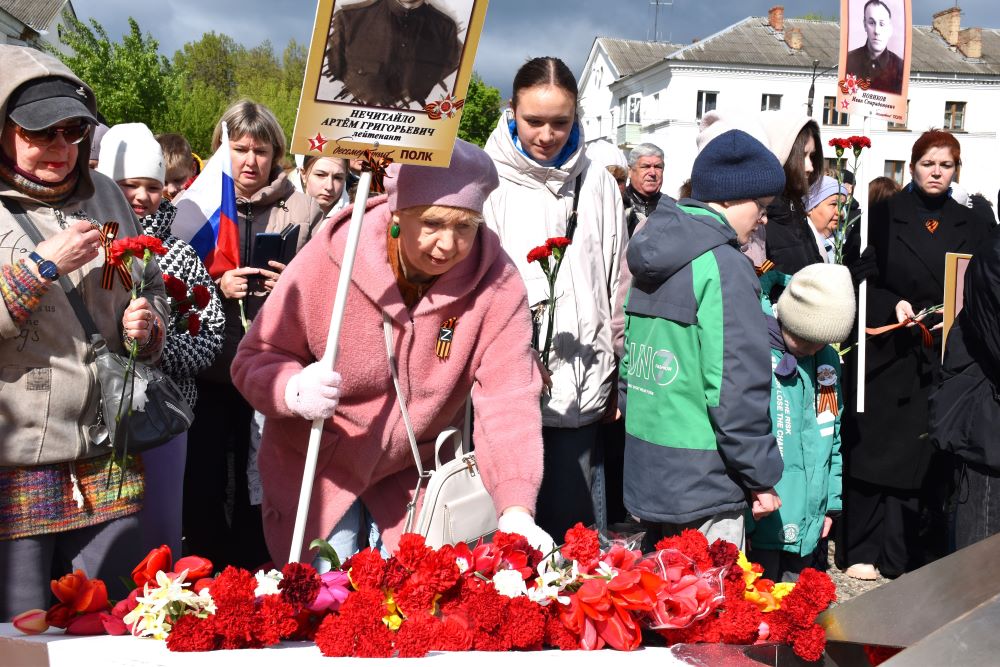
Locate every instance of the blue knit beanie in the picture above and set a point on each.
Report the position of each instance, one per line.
(735, 166)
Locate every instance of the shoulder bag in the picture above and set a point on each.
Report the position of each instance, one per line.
(456, 505)
(159, 411)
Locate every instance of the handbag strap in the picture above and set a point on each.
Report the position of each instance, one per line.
(72, 292)
(571, 222)
(387, 328)
(411, 507)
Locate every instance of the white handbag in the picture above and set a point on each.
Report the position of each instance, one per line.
(456, 506)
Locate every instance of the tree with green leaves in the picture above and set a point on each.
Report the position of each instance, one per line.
(130, 78)
(480, 112)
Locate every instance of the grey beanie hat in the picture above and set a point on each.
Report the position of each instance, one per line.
(818, 304)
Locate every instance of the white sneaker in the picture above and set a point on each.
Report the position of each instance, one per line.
(863, 571)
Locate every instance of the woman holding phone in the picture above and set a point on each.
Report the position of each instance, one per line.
(266, 202)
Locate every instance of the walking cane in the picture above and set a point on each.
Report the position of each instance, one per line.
(330, 359)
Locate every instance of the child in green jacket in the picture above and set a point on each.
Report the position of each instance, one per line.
(815, 308)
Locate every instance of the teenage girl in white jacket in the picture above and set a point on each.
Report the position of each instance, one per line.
(539, 151)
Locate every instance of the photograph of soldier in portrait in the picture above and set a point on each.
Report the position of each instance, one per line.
(876, 38)
(397, 54)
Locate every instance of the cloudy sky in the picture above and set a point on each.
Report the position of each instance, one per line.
(515, 29)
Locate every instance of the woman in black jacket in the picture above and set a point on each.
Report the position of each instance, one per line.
(886, 449)
(965, 408)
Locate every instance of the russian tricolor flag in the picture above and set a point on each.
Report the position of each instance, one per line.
(206, 213)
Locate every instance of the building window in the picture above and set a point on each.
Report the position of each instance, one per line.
(769, 102)
(830, 114)
(898, 127)
(634, 105)
(954, 116)
(707, 100)
(895, 169)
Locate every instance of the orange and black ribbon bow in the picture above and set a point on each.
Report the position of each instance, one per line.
(377, 165)
(925, 333)
(108, 235)
(445, 335)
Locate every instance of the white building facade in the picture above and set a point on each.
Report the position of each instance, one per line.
(769, 63)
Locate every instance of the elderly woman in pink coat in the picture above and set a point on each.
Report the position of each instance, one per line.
(427, 262)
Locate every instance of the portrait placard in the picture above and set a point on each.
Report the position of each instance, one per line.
(874, 67)
(388, 75)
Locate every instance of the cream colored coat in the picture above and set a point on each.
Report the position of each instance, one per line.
(532, 204)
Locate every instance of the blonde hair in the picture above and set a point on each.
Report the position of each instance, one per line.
(176, 154)
(450, 214)
(248, 118)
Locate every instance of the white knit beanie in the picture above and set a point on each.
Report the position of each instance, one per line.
(130, 150)
(782, 128)
(818, 304)
(716, 122)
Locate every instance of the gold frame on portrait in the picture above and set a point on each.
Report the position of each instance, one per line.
(348, 129)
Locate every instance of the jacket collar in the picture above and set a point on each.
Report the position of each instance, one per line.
(512, 165)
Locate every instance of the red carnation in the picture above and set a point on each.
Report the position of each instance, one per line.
(525, 624)
(299, 585)
(150, 243)
(692, 544)
(857, 143)
(357, 630)
(274, 620)
(367, 568)
(452, 636)
(191, 633)
(417, 636)
(176, 289)
(809, 643)
(411, 551)
(557, 242)
(582, 545)
(556, 632)
(201, 296)
(539, 253)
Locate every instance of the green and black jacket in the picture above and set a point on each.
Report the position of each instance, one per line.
(696, 374)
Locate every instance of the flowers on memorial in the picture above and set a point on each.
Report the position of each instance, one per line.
(845, 222)
(503, 595)
(554, 248)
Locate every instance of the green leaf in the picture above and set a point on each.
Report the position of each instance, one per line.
(326, 552)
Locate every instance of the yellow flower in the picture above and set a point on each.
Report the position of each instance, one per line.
(781, 590)
(394, 618)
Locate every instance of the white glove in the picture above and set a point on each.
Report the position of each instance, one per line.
(313, 393)
(523, 523)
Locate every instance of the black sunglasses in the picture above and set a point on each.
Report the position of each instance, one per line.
(73, 134)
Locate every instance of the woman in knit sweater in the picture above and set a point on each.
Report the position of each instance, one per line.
(427, 264)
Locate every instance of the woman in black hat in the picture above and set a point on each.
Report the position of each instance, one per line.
(57, 510)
